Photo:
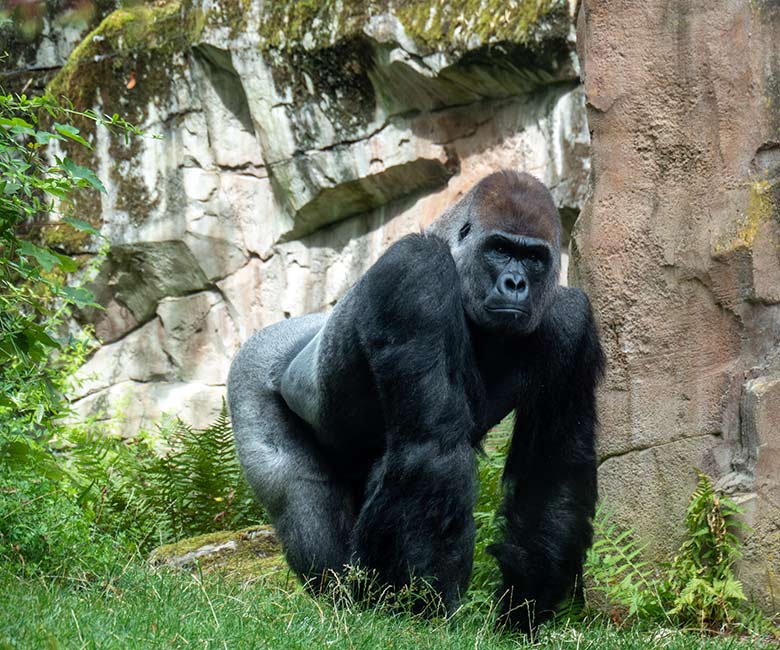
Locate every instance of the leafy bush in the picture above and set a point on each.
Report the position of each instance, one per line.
(41, 524)
(37, 182)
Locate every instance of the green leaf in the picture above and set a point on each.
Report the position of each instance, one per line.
(17, 125)
(79, 296)
(70, 131)
(44, 137)
(37, 334)
(81, 225)
(43, 256)
(66, 263)
(17, 450)
(79, 172)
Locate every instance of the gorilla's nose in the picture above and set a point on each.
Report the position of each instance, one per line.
(514, 285)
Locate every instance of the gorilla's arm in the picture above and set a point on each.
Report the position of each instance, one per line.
(417, 518)
(550, 473)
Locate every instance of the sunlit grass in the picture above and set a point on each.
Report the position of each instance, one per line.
(137, 608)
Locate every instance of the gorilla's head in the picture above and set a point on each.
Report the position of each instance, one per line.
(505, 238)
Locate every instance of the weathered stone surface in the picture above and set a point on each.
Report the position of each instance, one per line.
(139, 357)
(678, 248)
(38, 37)
(658, 479)
(130, 406)
(200, 337)
(756, 474)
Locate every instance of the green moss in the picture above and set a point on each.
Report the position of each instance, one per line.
(122, 66)
(232, 14)
(441, 22)
(130, 54)
(338, 71)
(64, 237)
(248, 554)
(431, 23)
(761, 207)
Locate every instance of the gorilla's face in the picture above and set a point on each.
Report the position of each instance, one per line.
(507, 280)
(504, 237)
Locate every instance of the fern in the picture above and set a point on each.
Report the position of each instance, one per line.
(200, 482)
(616, 572)
(698, 587)
(701, 582)
(195, 486)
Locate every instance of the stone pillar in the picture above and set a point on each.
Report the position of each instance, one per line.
(679, 248)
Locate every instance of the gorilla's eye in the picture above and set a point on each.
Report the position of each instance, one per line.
(465, 230)
(535, 260)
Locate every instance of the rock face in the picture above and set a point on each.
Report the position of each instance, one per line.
(679, 249)
(295, 144)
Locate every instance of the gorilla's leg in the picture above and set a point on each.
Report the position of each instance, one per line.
(312, 511)
(417, 519)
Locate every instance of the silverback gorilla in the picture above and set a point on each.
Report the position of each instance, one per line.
(357, 430)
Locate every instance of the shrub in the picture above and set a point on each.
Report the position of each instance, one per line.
(37, 182)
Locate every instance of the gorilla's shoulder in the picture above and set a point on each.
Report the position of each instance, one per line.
(569, 321)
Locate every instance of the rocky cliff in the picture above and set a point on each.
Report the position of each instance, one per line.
(287, 145)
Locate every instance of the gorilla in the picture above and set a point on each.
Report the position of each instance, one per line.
(358, 430)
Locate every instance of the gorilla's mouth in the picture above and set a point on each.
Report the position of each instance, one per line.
(508, 309)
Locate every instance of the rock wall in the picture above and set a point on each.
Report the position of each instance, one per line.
(679, 249)
(294, 146)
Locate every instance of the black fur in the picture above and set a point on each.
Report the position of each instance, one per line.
(357, 431)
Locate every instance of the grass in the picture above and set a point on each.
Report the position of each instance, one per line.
(137, 608)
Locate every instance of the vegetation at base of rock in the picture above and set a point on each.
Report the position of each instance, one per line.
(172, 483)
(697, 589)
(87, 485)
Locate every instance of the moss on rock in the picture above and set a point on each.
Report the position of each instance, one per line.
(245, 555)
(761, 206)
(433, 24)
(437, 23)
(130, 55)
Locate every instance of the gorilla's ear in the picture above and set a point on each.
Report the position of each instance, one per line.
(449, 222)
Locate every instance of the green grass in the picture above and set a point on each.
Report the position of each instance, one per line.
(136, 608)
